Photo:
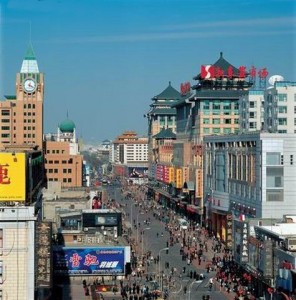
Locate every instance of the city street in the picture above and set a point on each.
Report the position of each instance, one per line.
(153, 236)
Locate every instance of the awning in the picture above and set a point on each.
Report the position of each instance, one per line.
(192, 208)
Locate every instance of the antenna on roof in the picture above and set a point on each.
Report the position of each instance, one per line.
(221, 54)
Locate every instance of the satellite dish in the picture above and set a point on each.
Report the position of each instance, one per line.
(275, 78)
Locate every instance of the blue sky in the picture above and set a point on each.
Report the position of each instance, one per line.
(104, 60)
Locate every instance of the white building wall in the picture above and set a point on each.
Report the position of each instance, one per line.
(18, 253)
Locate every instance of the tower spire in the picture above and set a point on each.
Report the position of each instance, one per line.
(29, 64)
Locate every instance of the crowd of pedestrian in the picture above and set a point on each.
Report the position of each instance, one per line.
(198, 247)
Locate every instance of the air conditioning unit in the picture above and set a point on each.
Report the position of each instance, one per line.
(79, 239)
(85, 229)
(290, 243)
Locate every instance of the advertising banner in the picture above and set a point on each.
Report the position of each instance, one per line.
(89, 261)
(12, 177)
(138, 172)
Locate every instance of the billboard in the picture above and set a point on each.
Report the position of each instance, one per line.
(12, 177)
(89, 261)
(138, 172)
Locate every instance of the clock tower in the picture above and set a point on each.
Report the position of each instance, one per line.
(23, 112)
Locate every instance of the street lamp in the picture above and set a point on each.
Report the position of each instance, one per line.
(191, 284)
(132, 204)
(140, 213)
(160, 281)
(148, 228)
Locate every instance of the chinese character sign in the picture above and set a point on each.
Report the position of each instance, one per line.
(89, 261)
(12, 177)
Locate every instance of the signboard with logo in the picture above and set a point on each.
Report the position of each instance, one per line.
(12, 177)
(241, 247)
(229, 234)
(43, 244)
(89, 261)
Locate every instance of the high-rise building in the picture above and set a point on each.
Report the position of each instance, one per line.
(129, 156)
(251, 111)
(280, 108)
(22, 113)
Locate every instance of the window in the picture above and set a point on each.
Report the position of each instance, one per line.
(216, 121)
(274, 195)
(5, 127)
(64, 171)
(216, 130)
(5, 135)
(282, 121)
(5, 121)
(206, 105)
(56, 171)
(252, 104)
(69, 170)
(283, 109)
(69, 180)
(206, 130)
(64, 179)
(274, 177)
(227, 121)
(227, 130)
(50, 171)
(273, 158)
(206, 121)
(5, 113)
(216, 105)
(252, 114)
(282, 97)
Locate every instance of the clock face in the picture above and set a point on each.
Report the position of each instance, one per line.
(30, 85)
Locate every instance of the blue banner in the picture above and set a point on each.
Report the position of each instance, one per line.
(89, 261)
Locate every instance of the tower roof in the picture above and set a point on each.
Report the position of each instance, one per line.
(29, 64)
(67, 126)
(222, 64)
(168, 94)
(165, 134)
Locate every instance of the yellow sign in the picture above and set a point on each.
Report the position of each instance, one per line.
(171, 174)
(179, 179)
(12, 177)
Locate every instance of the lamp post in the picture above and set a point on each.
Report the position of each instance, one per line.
(160, 281)
(191, 284)
(148, 228)
(132, 204)
(140, 213)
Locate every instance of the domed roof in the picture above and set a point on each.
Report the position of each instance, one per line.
(67, 126)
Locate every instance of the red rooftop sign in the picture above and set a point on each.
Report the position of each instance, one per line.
(185, 88)
(211, 72)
